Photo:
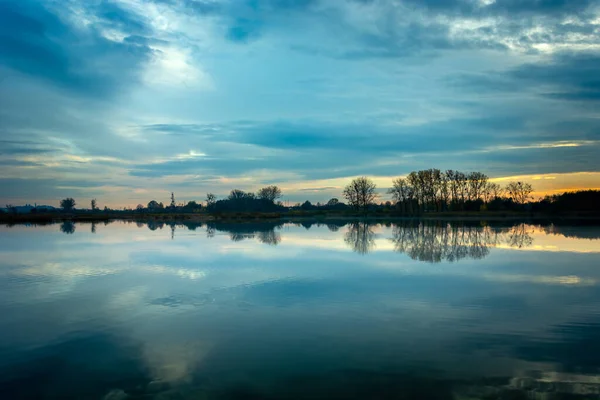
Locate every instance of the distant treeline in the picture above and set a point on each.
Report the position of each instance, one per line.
(420, 192)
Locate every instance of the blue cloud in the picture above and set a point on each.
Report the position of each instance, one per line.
(570, 76)
(37, 42)
(243, 30)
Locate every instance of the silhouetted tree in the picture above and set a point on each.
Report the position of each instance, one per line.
(67, 204)
(584, 201)
(519, 191)
(172, 206)
(477, 183)
(139, 208)
(333, 202)
(269, 193)
(237, 194)
(94, 205)
(402, 193)
(211, 199)
(491, 191)
(307, 205)
(192, 206)
(360, 193)
(153, 205)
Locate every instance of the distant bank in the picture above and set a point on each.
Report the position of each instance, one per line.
(45, 218)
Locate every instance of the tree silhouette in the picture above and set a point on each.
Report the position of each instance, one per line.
(269, 193)
(360, 193)
(519, 191)
(94, 205)
(67, 204)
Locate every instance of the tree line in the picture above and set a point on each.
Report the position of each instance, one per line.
(424, 191)
(433, 190)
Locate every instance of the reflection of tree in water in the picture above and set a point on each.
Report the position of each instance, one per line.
(580, 230)
(333, 227)
(270, 237)
(210, 231)
(67, 227)
(239, 236)
(154, 225)
(360, 237)
(434, 243)
(518, 237)
(264, 232)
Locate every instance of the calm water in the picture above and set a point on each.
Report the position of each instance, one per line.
(327, 311)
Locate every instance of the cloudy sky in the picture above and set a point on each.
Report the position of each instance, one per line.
(128, 100)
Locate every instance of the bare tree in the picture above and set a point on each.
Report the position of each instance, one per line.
(402, 192)
(399, 190)
(172, 205)
(462, 185)
(477, 183)
(237, 194)
(211, 199)
(270, 193)
(360, 193)
(444, 191)
(415, 183)
(497, 191)
(492, 191)
(452, 185)
(67, 204)
(435, 183)
(519, 191)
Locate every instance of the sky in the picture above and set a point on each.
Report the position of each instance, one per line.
(129, 100)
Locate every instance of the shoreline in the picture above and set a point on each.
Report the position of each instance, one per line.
(48, 218)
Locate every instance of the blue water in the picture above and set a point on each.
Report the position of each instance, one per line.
(316, 311)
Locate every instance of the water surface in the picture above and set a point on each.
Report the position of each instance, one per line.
(267, 310)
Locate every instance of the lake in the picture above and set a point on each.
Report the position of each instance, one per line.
(335, 310)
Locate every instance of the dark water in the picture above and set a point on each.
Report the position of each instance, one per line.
(316, 311)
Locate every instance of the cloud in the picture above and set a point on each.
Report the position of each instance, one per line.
(571, 76)
(37, 42)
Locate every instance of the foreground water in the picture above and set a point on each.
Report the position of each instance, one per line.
(320, 311)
